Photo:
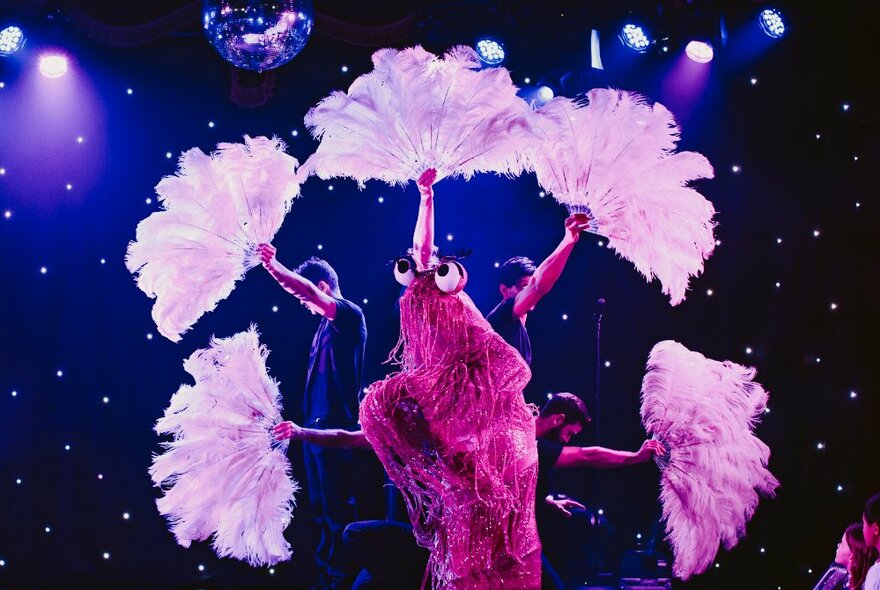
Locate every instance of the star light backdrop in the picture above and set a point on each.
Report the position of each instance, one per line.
(790, 125)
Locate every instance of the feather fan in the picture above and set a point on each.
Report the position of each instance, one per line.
(416, 111)
(215, 211)
(224, 475)
(613, 157)
(704, 412)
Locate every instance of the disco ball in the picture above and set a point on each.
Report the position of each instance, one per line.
(257, 34)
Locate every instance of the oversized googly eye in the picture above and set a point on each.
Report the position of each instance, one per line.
(404, 271)
(451, 277)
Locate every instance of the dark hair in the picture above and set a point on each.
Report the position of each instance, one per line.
(569, 405)
(872, 510)
(862, 556)
(515, 269)
(317, 269)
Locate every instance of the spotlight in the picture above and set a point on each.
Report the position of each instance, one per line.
(772, 23)
(11, 40)
(490, 51)
(53, 65)
(635, 37)
(545, 94)
(700, 51)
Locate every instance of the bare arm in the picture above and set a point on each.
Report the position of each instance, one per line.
(602, 458)
(332, 438)
(423, 236)
(549, 271)
(299, 286)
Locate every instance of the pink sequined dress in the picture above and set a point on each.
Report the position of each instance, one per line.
(457, 438)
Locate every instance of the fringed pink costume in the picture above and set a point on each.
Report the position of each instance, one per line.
(456, 436)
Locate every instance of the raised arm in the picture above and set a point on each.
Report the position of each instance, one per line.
(299, 286)
(602, 458)
(550, 270)
(332, 438)
(423, 236)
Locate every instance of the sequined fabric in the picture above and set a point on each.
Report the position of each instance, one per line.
(456, 436)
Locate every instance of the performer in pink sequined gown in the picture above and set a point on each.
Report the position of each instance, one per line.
(453, 430)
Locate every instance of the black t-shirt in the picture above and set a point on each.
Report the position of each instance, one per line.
(509, 327)
(336, 365)
(548, 454)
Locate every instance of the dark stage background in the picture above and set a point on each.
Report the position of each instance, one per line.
(78, 366)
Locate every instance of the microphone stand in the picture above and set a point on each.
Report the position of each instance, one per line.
(598, 409)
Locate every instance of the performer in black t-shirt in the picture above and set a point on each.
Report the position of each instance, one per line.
(563, 417)
(330, 399)
(522, 286)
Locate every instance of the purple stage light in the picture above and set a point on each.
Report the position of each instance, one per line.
(53, 65)
(699, 51)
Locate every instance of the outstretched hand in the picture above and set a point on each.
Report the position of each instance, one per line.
(425, 182)
(286, 430)
(575, 224)
(564, 505)
(650, 448)
(267, 255)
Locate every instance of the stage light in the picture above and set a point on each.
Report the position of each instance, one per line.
(635, 37)
(545, 94)
(772, 23)
(490, 51)
(11, 40)
(53, 65)
(700, 51)
(595, 51)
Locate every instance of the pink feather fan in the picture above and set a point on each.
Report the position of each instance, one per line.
(614, 158)
(416, 111)
(704, 412)
(223, 474)
(215, 211)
